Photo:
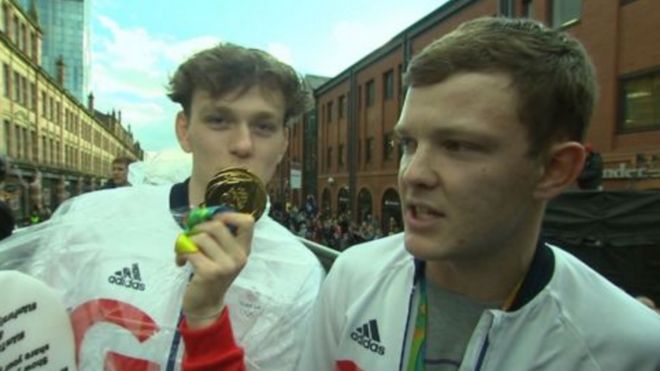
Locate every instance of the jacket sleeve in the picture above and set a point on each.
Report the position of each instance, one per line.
(211, 348)
(322, 335)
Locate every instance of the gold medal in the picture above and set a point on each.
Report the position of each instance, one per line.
(235, 188)
(239, 189)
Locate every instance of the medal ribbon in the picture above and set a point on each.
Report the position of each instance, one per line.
(418, 347)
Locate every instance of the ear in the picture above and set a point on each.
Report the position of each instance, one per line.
(564, 163)
(181, 128)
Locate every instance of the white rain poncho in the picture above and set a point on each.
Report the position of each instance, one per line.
(168, 166)
(109, 256)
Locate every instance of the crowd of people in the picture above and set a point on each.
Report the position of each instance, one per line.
(338, 231)
(31, 185)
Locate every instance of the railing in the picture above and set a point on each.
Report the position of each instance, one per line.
(325, 254)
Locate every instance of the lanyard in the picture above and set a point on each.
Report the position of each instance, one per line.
(418, 347)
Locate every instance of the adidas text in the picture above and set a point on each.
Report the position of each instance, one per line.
(129, 278)
(368, 343)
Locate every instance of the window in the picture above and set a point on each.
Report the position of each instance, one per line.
(24, 92)
(528, 9)
(26, 144)
(44, 103)
(67, 119)
(6, 20)
(44, 150)
(8, 139)
(505, 8)
(359, 98)
(329, 112)
(340, 155)
(17, 87)
(19, 140)
(565, 12)
(24, 35)
(57, 153)
(35, 48)
(370, 93)
(388, 146)
(17, 28)
(640, 97)
(369, 149)
(28, 93)
(33, 93)
(52, 152)
(19, 36)
(340, 106)
(7, 77)
(35, 145)
(388, 85)
(328, 158)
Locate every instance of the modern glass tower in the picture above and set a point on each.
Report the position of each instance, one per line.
(65, 25)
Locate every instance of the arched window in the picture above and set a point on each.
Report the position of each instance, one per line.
(365, 209)
(325, 203)
(343, 200)
(391, 212)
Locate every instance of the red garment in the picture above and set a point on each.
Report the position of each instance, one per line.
(212, 348)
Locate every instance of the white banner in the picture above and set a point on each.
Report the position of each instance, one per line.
(296, 179)
(35, 331)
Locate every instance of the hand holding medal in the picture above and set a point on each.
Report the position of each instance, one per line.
(217, 240)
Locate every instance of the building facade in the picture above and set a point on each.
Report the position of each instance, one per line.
(65, 25)
(45, 129)
(357, 159)
(296, 175)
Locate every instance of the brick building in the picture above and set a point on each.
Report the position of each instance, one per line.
(296, 174)
(44, 126)
(356, 110)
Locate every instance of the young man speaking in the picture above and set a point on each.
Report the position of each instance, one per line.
(490, 132)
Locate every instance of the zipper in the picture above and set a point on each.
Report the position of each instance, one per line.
(482, 354)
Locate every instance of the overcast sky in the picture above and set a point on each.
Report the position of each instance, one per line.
(136, 45)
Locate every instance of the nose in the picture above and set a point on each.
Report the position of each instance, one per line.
(417, 169)
(242, 144)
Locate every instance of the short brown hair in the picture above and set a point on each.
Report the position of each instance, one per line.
(226, 67)
(551, 72)
(123, 160)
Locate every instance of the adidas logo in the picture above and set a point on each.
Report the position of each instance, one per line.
(128, 277)
(368, 336)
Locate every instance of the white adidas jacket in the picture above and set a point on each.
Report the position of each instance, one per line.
(578, 321)
(110, 256)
